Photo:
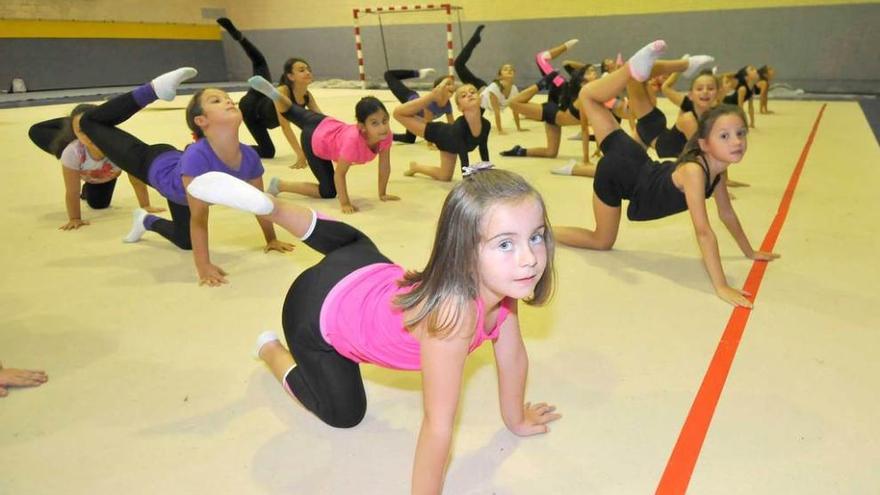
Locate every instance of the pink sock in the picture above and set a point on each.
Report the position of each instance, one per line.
(545, 68)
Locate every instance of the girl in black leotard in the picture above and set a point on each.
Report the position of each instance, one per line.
(259, 113)
(746, 78)
(766, 74)
(656, 190)
(562, 107)
(456, 140)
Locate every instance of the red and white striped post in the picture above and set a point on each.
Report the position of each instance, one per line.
(359, 50)
(400, 9)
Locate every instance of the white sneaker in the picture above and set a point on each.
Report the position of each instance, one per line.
(223, 189)
(137, 226)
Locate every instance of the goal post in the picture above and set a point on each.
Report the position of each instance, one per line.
(400, 9)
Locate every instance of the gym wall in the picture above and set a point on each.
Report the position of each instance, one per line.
(75, 44)
(821, 46)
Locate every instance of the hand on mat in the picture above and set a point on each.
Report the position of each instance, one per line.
(389, 197)
(348, 208)
(535, 419)
(153, 209)
(212, 275)
(300, 162)
(734, 296)
(73, 224)
(276, 245)
(20, 378)
(764, 256)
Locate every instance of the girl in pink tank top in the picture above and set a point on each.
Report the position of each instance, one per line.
(493, 247)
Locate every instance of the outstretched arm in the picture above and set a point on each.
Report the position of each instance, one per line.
(341, 170)
(728, 216)
(142, 195)
(585, 133)
(313, 103)
(496, 108)
(520, 417)
(209, 274)
(669, 91)
(71, 199)
(442, 368)
(694, 190)
(272, 242)
(384, 173)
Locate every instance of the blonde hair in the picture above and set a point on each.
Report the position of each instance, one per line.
(450, 279)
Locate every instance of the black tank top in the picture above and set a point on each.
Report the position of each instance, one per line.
(655, 195)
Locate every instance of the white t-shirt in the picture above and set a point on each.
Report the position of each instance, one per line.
(94, 171)
(495, 89)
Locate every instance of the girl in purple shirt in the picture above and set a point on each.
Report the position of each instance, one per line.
(493, 247)
(215, 121)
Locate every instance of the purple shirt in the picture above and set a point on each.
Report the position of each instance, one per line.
(168, 168)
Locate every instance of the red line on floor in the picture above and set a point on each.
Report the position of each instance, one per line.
(684, 455)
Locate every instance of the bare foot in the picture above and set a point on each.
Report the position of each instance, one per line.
(410, 172)
(12, 377)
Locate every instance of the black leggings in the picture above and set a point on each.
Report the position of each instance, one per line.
(324, 381)
(460, 63)
(403, 95)
(45, 136)
(135, 157)
(322, 169)
(257, 109)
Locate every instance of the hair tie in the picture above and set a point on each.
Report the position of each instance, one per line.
(477, 167)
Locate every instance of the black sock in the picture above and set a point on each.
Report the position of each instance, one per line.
(230, 28)
(515, 151)
(545, 81)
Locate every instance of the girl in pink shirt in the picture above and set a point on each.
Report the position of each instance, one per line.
(326, 140)
(493, 247)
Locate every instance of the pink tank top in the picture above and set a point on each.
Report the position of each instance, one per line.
(333, 140)
(360, 321)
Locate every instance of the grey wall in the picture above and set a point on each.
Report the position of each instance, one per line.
(819, 49)
(80, 63)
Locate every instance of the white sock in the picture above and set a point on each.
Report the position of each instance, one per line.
(545, 54)
(423, 73)
(263, 339)
(274, 186)
(263, 86)
(137, 226)
(694, 64)
(166, 85)
(641, 63)
(570, 43)
(223, 189)
(565, 169)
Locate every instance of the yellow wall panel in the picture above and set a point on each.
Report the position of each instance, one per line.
(115, 30)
